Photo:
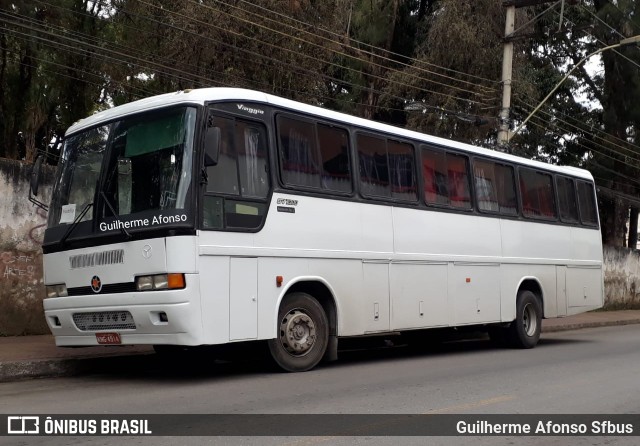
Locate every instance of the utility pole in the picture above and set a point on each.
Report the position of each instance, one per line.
(507, 70)
(507, 59)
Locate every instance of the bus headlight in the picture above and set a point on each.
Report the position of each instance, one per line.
(144, 283)
(172, 281)
(59, 290)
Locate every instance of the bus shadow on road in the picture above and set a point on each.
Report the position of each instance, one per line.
(233, 361)
(444, 343)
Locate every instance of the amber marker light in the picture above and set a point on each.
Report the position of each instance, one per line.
(175, 280)
(279, 280)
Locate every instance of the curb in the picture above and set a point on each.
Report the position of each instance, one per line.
(13, 371)
(591, 324)
(55, 368)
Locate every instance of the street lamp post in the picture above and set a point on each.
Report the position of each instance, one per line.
(623, 42)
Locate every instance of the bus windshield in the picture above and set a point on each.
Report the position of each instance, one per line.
(131, 174)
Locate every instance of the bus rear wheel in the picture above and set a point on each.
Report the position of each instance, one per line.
(524, 331)
(303, 334)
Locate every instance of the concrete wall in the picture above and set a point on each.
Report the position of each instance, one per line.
(621, 278)
(21, 229)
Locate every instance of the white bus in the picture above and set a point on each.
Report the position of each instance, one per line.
(221, 215)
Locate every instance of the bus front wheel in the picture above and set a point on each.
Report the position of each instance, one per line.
(524, 331)
(303, 334)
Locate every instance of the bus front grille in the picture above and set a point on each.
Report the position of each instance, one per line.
(109, 288)
(104, 320)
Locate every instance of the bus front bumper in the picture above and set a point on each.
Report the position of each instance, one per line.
(171, 317)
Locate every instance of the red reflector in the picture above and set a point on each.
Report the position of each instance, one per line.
(279, 280)
(468, 279)
(108, 338)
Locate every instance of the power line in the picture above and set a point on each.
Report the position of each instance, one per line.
(132, 51)
(123, 57)
(579, 135)
(339, 81)
(624, 15)
(226, 30)
(606, 169)
(245, 80)
(194, 77)
(600, 40)
(48, 62)
(80, 51)
(583, 130)
(373, 47)
(124, 48)
(589, 148)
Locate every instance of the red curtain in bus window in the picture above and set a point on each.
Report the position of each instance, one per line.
(527, 205)
(457, 170)
(429, 175)
(545, 194)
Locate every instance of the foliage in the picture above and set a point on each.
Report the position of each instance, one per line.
(61, 60)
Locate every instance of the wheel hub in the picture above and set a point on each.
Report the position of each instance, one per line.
(529, 320)
(297, 332)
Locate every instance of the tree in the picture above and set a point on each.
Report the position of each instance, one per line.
(48, 73)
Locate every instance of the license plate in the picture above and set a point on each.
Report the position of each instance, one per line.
(108, 338)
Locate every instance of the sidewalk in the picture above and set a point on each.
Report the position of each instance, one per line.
(589, 320)
(37, 356)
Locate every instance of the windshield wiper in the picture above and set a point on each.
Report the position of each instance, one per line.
(115, 214)
(75, 223)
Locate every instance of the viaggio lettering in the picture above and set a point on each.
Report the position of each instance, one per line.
(253, 111)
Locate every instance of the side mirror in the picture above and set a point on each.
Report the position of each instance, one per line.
(36, 170)
(212, 146)
(35, 175)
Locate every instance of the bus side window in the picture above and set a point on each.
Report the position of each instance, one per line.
(495, 187)
(433, 172)
(485, 190)
(333, 143)
(402, 170)
(458, 173)
(587, 203)
(251, 146)
(299, 158)
(374, 166)
(239, 179)
(537, 194)
(446, 178)
(567, 199)
(222, 178)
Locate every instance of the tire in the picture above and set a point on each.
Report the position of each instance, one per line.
(524, 331)
(302, 334)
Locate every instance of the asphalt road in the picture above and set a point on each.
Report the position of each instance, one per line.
(591, 371)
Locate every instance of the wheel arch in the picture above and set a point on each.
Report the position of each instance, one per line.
(320, 290)
(532, 284)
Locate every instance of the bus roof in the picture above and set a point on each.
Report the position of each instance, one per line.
(203, 95)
